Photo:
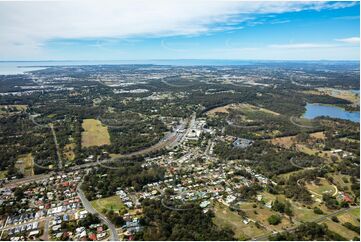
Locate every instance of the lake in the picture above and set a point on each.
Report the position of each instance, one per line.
(314, 110)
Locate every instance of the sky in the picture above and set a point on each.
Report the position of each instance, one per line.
(179, 29)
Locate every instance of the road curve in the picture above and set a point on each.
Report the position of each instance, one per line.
(87, 205)
(300, 125)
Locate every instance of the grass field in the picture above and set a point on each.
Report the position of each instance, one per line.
(304, 214)
(342, 94)
(3, 174)
(251, 108)
(95, 134)
(350, 217)
(110, 203)
(225, 218)
(25, 164)
(68, 152)
(318, 135)
(338, 178)
(223, 109)
(323, 187)
(245, 107)
(350, 140)
(285, 142)
(14, 107)
(341, 230)
(11, 109)
(355, 212)
(301, 214)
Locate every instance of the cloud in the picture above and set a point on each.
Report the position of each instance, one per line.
(351, 40)
(301, 46)
(34, 23)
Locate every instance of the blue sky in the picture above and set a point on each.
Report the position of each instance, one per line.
(201, 29)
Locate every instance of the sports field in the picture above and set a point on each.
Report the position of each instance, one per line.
(110, 203)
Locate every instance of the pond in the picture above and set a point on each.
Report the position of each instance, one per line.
(314, 110)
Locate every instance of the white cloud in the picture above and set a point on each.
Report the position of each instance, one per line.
(351, 40)
(26, 26)
(301, 46)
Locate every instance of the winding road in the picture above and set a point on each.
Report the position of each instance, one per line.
(87, 205)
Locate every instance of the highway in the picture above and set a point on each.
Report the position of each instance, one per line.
(169, 140)
(18, 182)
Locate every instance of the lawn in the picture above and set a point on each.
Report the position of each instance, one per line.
(95, 134)
(25, 164)
(110, 203)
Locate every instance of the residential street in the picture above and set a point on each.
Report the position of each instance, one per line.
(87, 205)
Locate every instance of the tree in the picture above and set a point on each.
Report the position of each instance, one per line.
(274, 219)
(335, 219)
(317, 210)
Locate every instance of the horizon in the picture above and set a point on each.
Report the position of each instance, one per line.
(187, 59)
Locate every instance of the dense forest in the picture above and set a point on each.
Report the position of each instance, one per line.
(164, 224)
(105, 181)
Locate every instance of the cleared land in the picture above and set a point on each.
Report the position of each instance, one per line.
(289, 141)
(342, 94)
(94, 134)
(323, 187)
(341, 230)
(225, 218)
(301, 213)
(350, 217)
(25, 164)
(285, 142)
(318, 135)
(110, 203)
(6, 110)
(223, 109)
(241, 106)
